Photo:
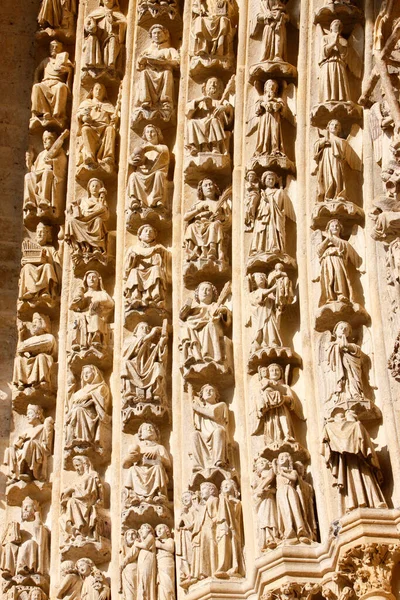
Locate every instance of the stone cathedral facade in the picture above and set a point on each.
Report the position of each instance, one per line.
(204, 391)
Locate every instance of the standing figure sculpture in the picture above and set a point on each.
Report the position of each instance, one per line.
(335, 255)
(269, 297)
(206, 238)
(213, 30)
(40, 276)
(229, 532)
(155, 93)
(45, 183)
(80, 504)
(269, 112)
(85, 228)
(351, 457)
(87, 413)
(273, 20)
(209, 440)
(147, 564)
(275, 402)
(129, 565)
(103, 45)
(165, 556)
(146, 272)
(204, 535)
(92, 307)
(264, 498)
(306, 495)
(147, 189)
(202, 340)
(97, 131)
(332, 154)
(94, 583)
(51, 88)
(143, 370)
(36, 351)
(268, 212)
(27, 458)
(147, 463)
(183, 537)
(209, 120)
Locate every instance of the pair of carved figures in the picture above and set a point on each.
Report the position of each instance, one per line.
(155, 96)
(148, 564)
(82, 579)
(284, 502)
(103, 45)
(147, 272)
(209, 533)
(202, 341)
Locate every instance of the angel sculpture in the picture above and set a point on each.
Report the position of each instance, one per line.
(332, 155)
(266, 214)
(275, 402)
(269, 297)
(345, 367)
(337, 56)
(336, 255)
(270, 109)
(203, 344)
(103, 45)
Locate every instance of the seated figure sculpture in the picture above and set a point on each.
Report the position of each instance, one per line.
(103, 45)
(85, 229)
(147, 192)
(51, 89)
(156, 64)
(146, 272)
(203, 344)
(36, 351)
(45, 183)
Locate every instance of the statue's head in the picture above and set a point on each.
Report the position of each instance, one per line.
(208, 489)
(55, 48)
(147, 233)
(99, 92)
(90, 374)
(187, 499)
(141, 329)
(40, 324)
(84, 566)
(92, 281)
(34, 414)
(271, 87)
(67, 567)
(29, 509)
(209, 394)
(342, 329)
(110, 4)
(259, 280)
(261, 464)
(338, 415)
(81, 464)
(334, 227)
(274, 372)
(213, 88)
(94, 187)
(269, 179)
(163, 532)
(48, 139)
(229, 488)
(43, 234)
(159, 34)
(285, 460)
(207, 189)
(145, 530)
(130, 536)
(251, 176)
(37, 594)
(206, 293)
(336, 26)
(148, 431)
(152, 134)
(335, 127)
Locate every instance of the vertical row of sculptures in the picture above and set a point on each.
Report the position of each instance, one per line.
(147, 559)
(344, 346)
(25, 541)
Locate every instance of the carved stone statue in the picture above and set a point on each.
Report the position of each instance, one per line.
(71, 582)
(92, 307)
(266, 214)
(143, 371)
(103, 45)
(25, 545)
(129, 565)
(152, 9)
(386, 211)
(40, 277)
(335, 255)
(155, 93)
(147, 191)
(252, 191)
(57, 17)
(306, 495)
(147, 463)
(202, 340)
(94, 584)
(204, 542)
(264, 498)
(275, 402)
(98, 122)
(213, 30)
(269, 112)
(85, 229)
(165, 557)
(36, 351)
(146, 272)
(207, 221)
(209, 440)
(229, 532)
(272, 20)
(51, 89)
(351, 457)
(27, 458)
(209, 119)
(183, 537)
(80, 504)
(291, 520)
(269, 296)
(337, 55)
(147, 564)
(45, 183)
(333, 154)
(87, 413)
